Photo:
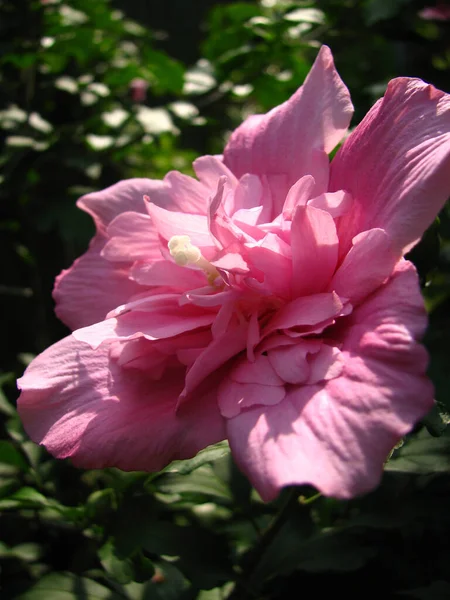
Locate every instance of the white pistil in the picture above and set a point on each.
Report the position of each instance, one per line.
(184, 253)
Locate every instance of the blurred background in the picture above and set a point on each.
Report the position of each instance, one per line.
(92, 92)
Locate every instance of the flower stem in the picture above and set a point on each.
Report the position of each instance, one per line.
(245, 585)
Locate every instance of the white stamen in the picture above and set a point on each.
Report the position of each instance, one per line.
(184, 253)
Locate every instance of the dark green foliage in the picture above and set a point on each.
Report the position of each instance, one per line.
(69, 124)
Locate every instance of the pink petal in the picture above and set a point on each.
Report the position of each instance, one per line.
(143, 355)
(92, 286)
(396, 164)
(259, 371)
(166, 273)
(290, 362)
(231, 262)
(219, 352)
(132, 236)
(336, 436)
(169, 223)
(209, 169)
(85, 293)
(162, 322)
(189, 195)
(272, 257)
(80, 404)
(125, 196)
(248, 193)
(289, 139)
(314, 250)
(336, 204)
(253, 335)
(309, 310)
(369, 262)
(207, 297)
(222, 228)
(328, 363)
(298, 195)
(223, 319)
(233, 396)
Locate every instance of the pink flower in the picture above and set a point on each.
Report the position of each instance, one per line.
(266, 303)
(440, 12)
(138, 89)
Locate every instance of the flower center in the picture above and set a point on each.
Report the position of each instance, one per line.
(184, 254)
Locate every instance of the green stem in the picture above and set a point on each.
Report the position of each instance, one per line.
(244, 586)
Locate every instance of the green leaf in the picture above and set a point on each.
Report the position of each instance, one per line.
(438, 590)
(120, 569)
(338, 551)
(101, 502)
(28, 551)
(66, 586)
(202, 555)
(9, 455)
(202, 481)
(26, 497)
(209, 455)
(422, 454)
(5, 406)
(168, 583)
(434, 422)
(378, 10)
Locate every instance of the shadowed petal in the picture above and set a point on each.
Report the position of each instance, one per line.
(80, 404)
(369, 262)
(161, 322)
(337, 435)
(308, 310)
(93, 286)
(233, 396)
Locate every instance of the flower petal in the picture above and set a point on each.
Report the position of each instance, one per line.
(315, 245)
(166, 273)
(161, 322)
(272, 257)
(334, 203)
(336, 436)
(209, 169)
(308, 310)
(298, 195)
(220, 351)
(80, 404)
(125, 196)
(132, 236)
(369, 262)
(189, 195)
(233, 397)
(169, 223)
(85, 293)
(289, 139)
(396, 164)
(259, 371)
(291, 363)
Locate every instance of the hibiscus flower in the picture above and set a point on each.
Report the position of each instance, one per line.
(266, 302)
